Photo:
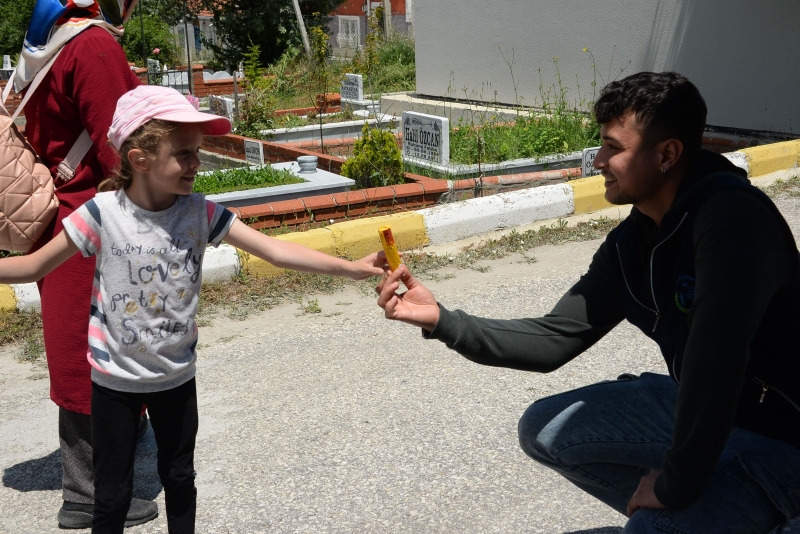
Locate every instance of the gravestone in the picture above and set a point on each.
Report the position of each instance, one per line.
(426, 138)
(5, 72)
(352, 88)
(220, 105)
(587, 163)
(153, 65)
(254, 152)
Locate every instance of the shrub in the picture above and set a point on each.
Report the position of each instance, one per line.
(258, 109)
(376, 159)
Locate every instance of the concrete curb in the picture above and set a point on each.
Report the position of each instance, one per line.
(441, 224)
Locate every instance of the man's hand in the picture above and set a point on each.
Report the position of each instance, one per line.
(417, 306)
(644, 496)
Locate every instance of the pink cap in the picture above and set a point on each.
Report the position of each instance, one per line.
(147, 102)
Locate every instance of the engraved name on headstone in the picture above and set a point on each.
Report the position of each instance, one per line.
(352, 88)
(426, 137)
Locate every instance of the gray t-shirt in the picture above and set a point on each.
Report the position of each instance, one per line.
(142, 332)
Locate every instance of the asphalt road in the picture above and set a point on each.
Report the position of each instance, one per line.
(344, 422)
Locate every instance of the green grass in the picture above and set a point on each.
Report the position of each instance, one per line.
(242, 179)
(394, 71)
(526, 137)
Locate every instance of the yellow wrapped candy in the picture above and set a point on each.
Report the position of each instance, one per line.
(389, 247)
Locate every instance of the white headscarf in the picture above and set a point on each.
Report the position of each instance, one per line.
(53, 25)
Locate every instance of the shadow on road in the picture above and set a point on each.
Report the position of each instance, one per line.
(40, 474)
(44, 474)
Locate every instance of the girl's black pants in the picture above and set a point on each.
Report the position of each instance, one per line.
(115, 421)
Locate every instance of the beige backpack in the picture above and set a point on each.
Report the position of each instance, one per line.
(27, 193)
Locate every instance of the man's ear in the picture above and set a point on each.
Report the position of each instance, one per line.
(670, 152)
(138, 160)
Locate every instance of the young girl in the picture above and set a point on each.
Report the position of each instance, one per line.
(149, 232)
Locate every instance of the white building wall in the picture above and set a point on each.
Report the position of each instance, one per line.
(743, 55)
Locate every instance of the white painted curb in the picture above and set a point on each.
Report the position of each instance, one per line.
(451, 222)
(27, 296)
(740, 160)
(220, 264)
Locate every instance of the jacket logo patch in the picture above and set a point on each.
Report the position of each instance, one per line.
(684, 293)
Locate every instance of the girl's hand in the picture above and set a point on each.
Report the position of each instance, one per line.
(417, 306)
(369, 265)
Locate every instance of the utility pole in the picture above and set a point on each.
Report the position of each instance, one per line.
(387, 18)
(302, 25)
(188, 54)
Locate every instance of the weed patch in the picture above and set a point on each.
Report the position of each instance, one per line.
(424, 264)
(783, 188)
(24, 329)
(526, 137)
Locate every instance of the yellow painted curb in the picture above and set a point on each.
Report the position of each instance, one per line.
(8, 299)
(773, 157)
(588, 194)
(320, 239)
(355, 239)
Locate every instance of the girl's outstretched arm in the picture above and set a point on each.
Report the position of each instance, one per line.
(34, 266)
(299, 258)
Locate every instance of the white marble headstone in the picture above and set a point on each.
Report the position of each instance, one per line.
(352, 88)
(587, 161)
(7, 62)
(426, 138)
(254, 152)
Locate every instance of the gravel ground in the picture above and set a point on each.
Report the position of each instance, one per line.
(343, 422)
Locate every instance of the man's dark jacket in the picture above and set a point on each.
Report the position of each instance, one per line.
(716, 285)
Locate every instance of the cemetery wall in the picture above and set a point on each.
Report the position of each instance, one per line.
(13, 99)
(202, 87)
(742, 55)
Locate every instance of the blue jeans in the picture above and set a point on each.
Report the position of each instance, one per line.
(604, 437)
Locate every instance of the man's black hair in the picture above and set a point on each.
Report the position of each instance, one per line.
(666, 105)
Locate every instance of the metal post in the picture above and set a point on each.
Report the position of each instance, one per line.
(235, 96)
(141, 23)
(188, 54)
